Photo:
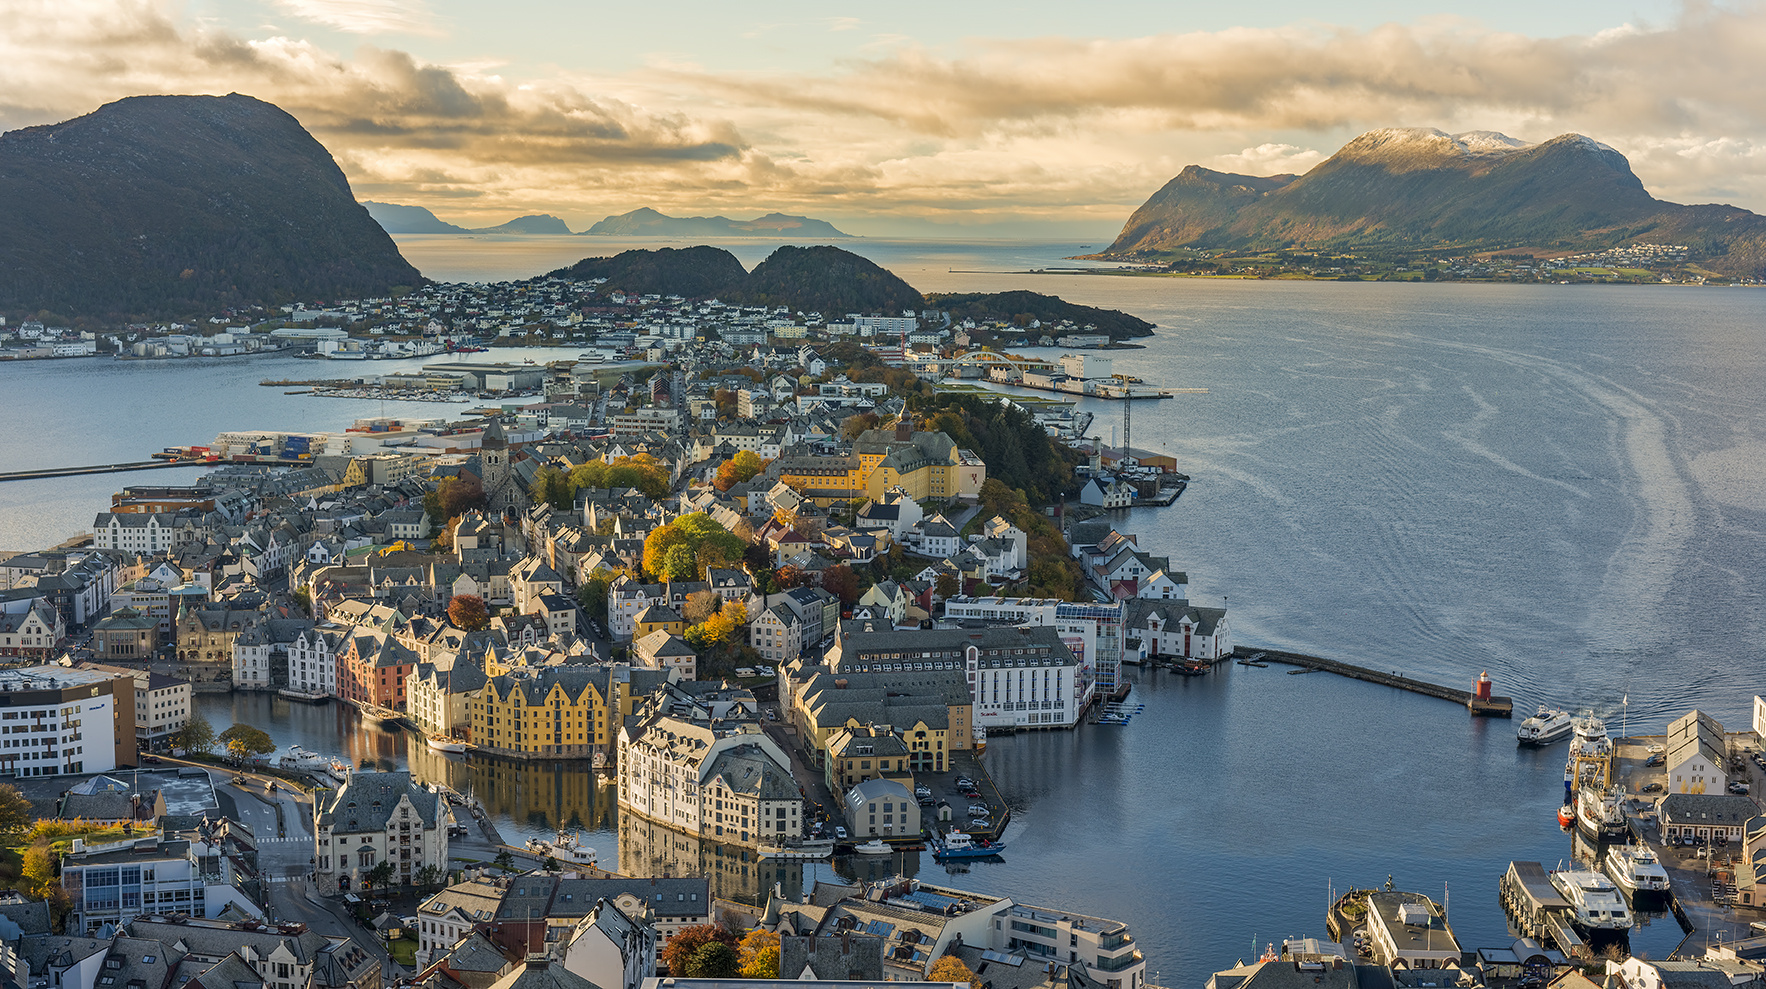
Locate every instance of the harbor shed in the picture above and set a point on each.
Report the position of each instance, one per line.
(1408, 931)
(1720, 817)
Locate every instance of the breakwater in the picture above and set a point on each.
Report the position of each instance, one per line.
(28, 475)
(1500, 707)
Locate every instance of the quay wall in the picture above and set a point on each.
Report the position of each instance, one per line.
(1363, 673)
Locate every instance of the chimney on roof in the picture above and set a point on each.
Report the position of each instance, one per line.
(846, 942)
(538, 962)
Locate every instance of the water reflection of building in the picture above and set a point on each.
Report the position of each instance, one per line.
(735, 873)
(548, 795)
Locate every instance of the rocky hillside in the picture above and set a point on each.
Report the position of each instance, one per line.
(1416, 189)
(176, 205)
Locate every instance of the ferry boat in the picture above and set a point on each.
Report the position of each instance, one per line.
(962, 845)
(1637, 870)
(1546, 727)
(442, 743)
(1595, 903)
(876, 846)
(565, 848)
(818, 848)
(1599, 813)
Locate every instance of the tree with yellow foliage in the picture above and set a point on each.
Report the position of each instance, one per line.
(759, 952)
(950, 968)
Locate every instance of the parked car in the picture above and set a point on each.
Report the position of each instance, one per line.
(980, 824)
(239, 781)
(1651, 788)
(840, 832)
(1655, 760)
(963, 781)
(979, 810)
(1738, 788)
(152, 759)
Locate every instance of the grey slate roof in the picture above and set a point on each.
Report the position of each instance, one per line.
(366, 802)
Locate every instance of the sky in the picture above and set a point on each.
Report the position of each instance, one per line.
(956, 119)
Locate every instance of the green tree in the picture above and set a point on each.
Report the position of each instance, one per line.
(244, 740)
(689, 533)
(716, 960)
(592, 595)
(685, 943)
(197, 736)
(380, 876)
(429, 875)
(15, 812)
(504, 860)
(552, 486)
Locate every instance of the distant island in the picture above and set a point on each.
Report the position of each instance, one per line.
(397, 219)
(1410, 199)
(169, 205)
(647, 222)
(829, 281)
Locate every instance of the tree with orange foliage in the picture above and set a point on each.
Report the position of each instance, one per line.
(467, 611)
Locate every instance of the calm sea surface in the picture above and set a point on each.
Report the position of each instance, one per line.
(1565, 486)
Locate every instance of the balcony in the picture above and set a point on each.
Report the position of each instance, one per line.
(1114, 940)
(1117, 964)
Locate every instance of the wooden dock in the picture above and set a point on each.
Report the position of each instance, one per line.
(1493, 707)
(1539, 910)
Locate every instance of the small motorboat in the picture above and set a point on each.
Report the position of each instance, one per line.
(442, 743)
(876, 846)
(1566, 816)
(962, 845)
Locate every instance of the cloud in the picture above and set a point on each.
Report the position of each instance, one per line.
(367, 16)
(1064, 128)
(1270, 159)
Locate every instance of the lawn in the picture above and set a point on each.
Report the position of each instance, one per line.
(403, 951)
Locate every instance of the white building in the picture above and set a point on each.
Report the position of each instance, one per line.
(376, 818)
(136, 533)
(1107, 493)
(116, 882)
(312, 662)
(777, 634)
(1696, 758)
(733, 786)
(1026, 675)
(882, 808)
(57, 720)
(612, 950)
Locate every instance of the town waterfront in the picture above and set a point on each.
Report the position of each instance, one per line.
(1562, 485)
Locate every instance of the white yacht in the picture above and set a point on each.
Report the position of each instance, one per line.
(876, 846)
(1594, 901)
(811, 848)
(1636, 869)
(1546, 727)
(565, 849)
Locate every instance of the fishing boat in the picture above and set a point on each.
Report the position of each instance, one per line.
(1566, 815)
(876, 846)
(1600, 814)
(565, 848)
(1546, 727)
(962, 845)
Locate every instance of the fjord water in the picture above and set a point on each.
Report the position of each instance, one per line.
(1563, 485)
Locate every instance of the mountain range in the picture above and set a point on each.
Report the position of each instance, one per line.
(646, 222)
(1424, 190)
(397, 219)
(170, 205)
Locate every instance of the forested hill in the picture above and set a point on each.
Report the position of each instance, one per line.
(1405, 190)
(829, 281)
(1021, 307)
(182, 205)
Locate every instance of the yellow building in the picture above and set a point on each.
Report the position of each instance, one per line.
(658, 618)
(558, 712)
(928, 466)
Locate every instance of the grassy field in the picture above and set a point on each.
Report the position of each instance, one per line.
(403, 951)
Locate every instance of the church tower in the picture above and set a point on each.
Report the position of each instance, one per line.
(493, 454)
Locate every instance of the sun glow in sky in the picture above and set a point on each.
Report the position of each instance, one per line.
(908, 118)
